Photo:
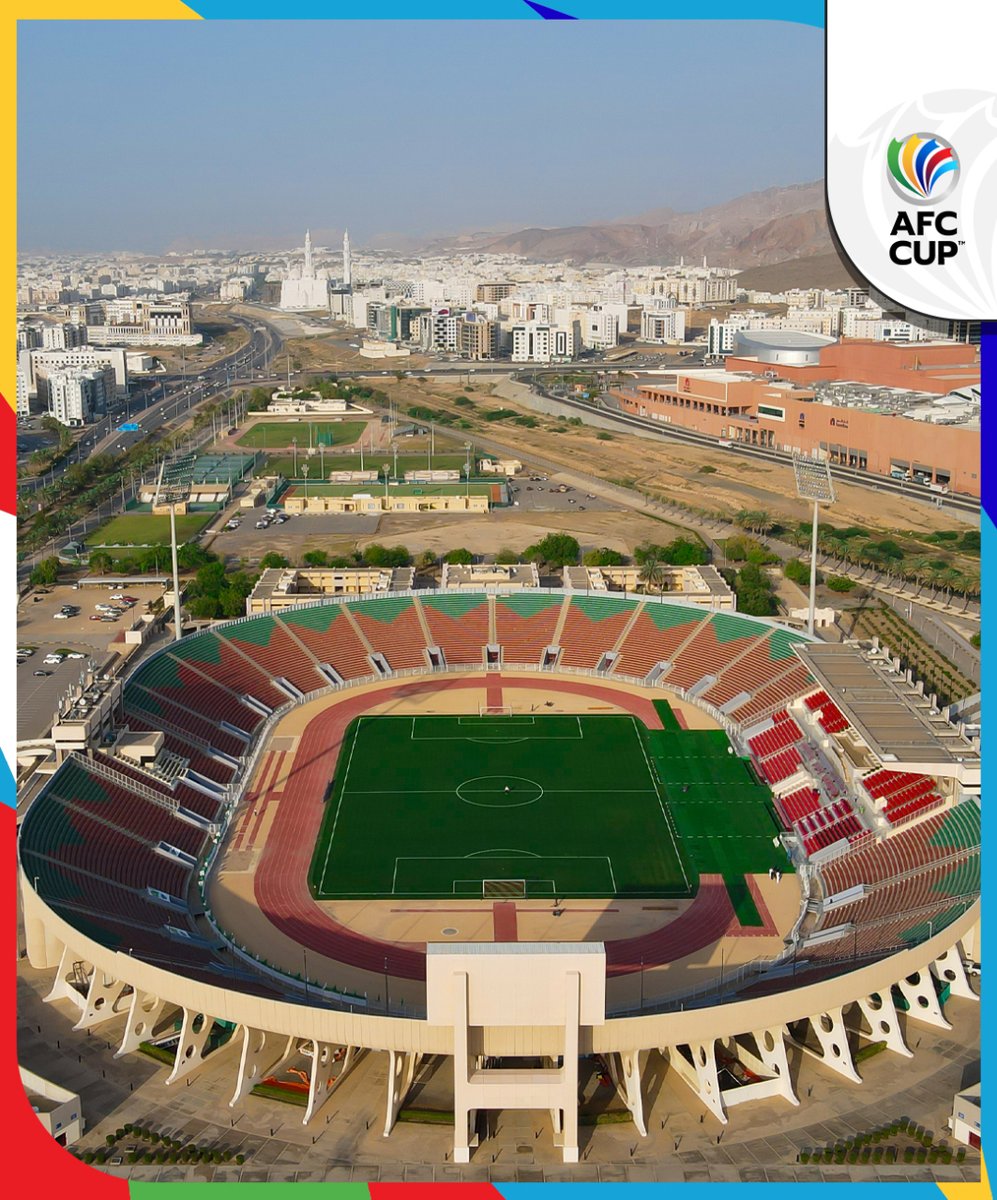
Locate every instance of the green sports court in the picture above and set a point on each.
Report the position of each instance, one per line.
(541, 806)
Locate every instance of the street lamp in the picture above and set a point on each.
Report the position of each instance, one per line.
(304, 471)
(386, 468)
(813, 483)
(173, 488)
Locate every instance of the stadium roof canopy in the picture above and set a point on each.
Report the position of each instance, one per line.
(889, 713)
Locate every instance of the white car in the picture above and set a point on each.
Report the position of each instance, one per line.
(75, 654)
(52, 660)
(61, 616)
(118, 596)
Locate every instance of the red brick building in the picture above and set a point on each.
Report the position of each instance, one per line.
(786, 416)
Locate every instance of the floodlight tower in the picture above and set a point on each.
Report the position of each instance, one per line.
(813, 483)
(173, 488)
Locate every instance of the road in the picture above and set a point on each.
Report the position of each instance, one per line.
(177, 396)
(233, 370)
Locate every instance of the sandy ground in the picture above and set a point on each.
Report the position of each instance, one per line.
(232, 886)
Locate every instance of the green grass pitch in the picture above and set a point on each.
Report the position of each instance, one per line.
(591, 806)
(278, 435)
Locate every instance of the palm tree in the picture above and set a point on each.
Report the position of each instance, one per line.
(653, 574)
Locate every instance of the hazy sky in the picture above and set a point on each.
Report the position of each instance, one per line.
(151, 135)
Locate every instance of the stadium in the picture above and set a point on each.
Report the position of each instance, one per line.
(517, 830)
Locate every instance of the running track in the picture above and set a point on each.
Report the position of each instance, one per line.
(281, 881)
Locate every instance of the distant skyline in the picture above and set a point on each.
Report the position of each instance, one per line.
(152, 136)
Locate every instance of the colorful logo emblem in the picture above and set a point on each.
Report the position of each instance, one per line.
(922, 167)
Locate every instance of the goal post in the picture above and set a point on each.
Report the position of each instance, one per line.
(495, 710)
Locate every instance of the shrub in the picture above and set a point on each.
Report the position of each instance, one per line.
(877, 1154)
(866, 1153)
(908, 1154)
(88, 1156)
(803, 1156)
(840, 583)
(459, 557)
(111, 1139)
(240, 1159)
(960, 1154)
(797, 571)
(921, 1155)
(148, 1157)
(932, 1155)
(853, 1155)
(603, 436)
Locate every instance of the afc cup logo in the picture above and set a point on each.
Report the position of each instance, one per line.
(922, 168)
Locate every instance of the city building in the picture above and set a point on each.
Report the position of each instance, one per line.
(494, 291)
(485, 575)
(600, 328)
(395, 498)
(64, 336)
(966, 1117)
(136, 321)
(58, 1109)
(696, 585)
(286, 587)
(477, 337)
(37, 365)
(533, 341)
(662, 325)
(77, 395)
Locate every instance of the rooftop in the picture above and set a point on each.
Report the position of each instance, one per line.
(890, 714)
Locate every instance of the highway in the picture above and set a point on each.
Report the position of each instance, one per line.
(177, 395)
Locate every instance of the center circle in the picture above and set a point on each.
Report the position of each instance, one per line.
(499, 791)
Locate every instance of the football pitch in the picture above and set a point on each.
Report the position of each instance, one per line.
(537, 806)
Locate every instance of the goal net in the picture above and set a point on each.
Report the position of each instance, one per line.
(495, 710)
(502, 887)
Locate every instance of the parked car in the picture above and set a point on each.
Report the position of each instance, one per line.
(61, 616)
(46, 673)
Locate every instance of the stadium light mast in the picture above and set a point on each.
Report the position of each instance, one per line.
(814, 484)
(172, 488)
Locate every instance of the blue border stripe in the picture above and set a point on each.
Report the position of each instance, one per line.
(806, 12)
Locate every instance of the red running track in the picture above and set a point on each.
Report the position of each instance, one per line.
(281, 882)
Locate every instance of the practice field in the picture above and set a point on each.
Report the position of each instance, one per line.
(147, 529)
(522, 805)
(279, 434)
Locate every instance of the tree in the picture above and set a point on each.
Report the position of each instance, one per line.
(684, 552)
(313, 558)
(100, 562)
(506, 556)
(555, 549)
(190, 556)
(459, 557)
(45, 573)
(377, 555)
(653, 574)
(426, 560)
(603, 557)
(273, 559)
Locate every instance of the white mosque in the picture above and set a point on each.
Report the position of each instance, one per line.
(306, 288)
